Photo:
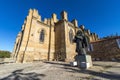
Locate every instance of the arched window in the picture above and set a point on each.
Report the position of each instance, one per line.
(71, 35)
(42, 35)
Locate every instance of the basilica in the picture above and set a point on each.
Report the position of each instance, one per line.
(48, 39)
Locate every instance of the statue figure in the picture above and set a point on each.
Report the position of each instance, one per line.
(82, 42)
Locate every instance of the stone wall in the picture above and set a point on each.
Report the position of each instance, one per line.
(60, 50)
(105, 49)
(30, 48)
(70, 46)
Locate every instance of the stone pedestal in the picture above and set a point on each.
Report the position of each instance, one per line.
(84, 61)
(74, 63)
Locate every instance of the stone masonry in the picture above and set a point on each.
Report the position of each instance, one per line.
(106, 49)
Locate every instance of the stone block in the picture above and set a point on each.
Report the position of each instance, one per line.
(73, 63)
(84, 61)
(85, 65)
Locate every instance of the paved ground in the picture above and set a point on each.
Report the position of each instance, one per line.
(59, 71)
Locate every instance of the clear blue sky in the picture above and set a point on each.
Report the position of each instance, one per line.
(100, 16)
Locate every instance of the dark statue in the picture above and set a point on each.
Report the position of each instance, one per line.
(82, 42)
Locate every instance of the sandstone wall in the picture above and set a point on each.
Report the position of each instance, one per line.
(31, 48)
(60, 50)
(70, 46)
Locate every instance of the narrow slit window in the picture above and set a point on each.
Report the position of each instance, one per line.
(71, 35)
(42, 35)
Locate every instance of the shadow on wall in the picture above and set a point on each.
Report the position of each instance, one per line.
(19, 75)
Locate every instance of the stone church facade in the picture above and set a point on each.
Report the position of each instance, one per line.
(50, 39)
